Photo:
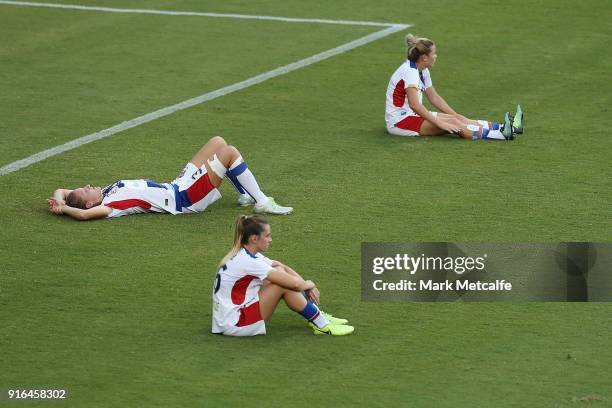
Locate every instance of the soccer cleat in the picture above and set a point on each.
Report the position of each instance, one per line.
(244, 200)
(517, 121)
(333, 329)
(270, 207)
(334, 320)
(507, 127)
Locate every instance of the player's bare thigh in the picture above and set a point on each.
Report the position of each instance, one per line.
(430, 129)
(462, 119)
(269, 296)
(225, 153)
(208, 150)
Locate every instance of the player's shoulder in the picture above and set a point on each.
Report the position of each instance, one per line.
(244, 257)
(406, 70)
(408, 66)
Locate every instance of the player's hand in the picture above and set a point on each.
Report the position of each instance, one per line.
(314, 295)
(450, 128)
(54, 206)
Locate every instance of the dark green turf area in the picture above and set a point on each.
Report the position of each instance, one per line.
(118, 312)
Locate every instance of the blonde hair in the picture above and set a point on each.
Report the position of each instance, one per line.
(246, 226)
(418, 46)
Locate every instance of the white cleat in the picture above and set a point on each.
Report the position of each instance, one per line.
(245, 200)
(270, 207)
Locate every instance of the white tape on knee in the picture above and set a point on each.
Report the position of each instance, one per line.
(217, 167)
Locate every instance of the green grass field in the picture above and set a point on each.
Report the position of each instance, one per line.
(118, 312)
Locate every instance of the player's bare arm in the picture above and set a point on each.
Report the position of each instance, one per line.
(284, 279)
(93, 213)
(439, 102)
(422, 111)
(61, 194)
(313, 294)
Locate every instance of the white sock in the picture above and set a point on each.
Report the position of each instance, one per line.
(320, 321)
(484, 124)
(496, 134)
(248, 182)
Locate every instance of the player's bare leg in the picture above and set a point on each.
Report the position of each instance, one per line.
(491, 125)
(462, 119)
(430, 129)
(466, 131)
(271, 293)
(226, 155)
(208, 150)
(222, 160)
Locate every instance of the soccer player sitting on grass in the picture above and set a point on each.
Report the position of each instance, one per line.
(249, 286)
(405, 114)
(192, 191)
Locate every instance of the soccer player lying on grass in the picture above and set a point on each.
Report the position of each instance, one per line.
(249, 286)
(405, 114)
(192, 191)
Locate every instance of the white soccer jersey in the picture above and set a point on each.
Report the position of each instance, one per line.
(406, 76)
(138, 196)
(192, 191)
(235, 296)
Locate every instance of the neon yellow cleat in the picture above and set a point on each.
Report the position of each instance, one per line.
(333, 329)
(517, 121)
(334, 320)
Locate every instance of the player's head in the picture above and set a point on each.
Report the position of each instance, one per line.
(252, 230)
(84, 197)
(421, 49)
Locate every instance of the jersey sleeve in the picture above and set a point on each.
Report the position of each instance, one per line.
(427, 78)
(121, 212)
(259, 268)
(265, 259)
(411, 78)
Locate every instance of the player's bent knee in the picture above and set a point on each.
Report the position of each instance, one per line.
(217, 166)
(218, 140)
(232, 152)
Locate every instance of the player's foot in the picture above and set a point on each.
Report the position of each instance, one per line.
(270, 207)
(334, 320)
(517, 121)
(244, 200)
(333, 329)
(507, 127)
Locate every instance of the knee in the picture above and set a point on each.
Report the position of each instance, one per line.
(218, 140)
(227, 154)
(231, 152)
(279, 290)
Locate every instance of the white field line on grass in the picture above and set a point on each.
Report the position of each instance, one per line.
(194, 13)
(35, 158)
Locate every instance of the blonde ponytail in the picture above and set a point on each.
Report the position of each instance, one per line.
(245, 227)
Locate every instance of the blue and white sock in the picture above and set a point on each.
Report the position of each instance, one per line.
(312, 313)
(485, 133)
(488, 125)
(244, 181)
